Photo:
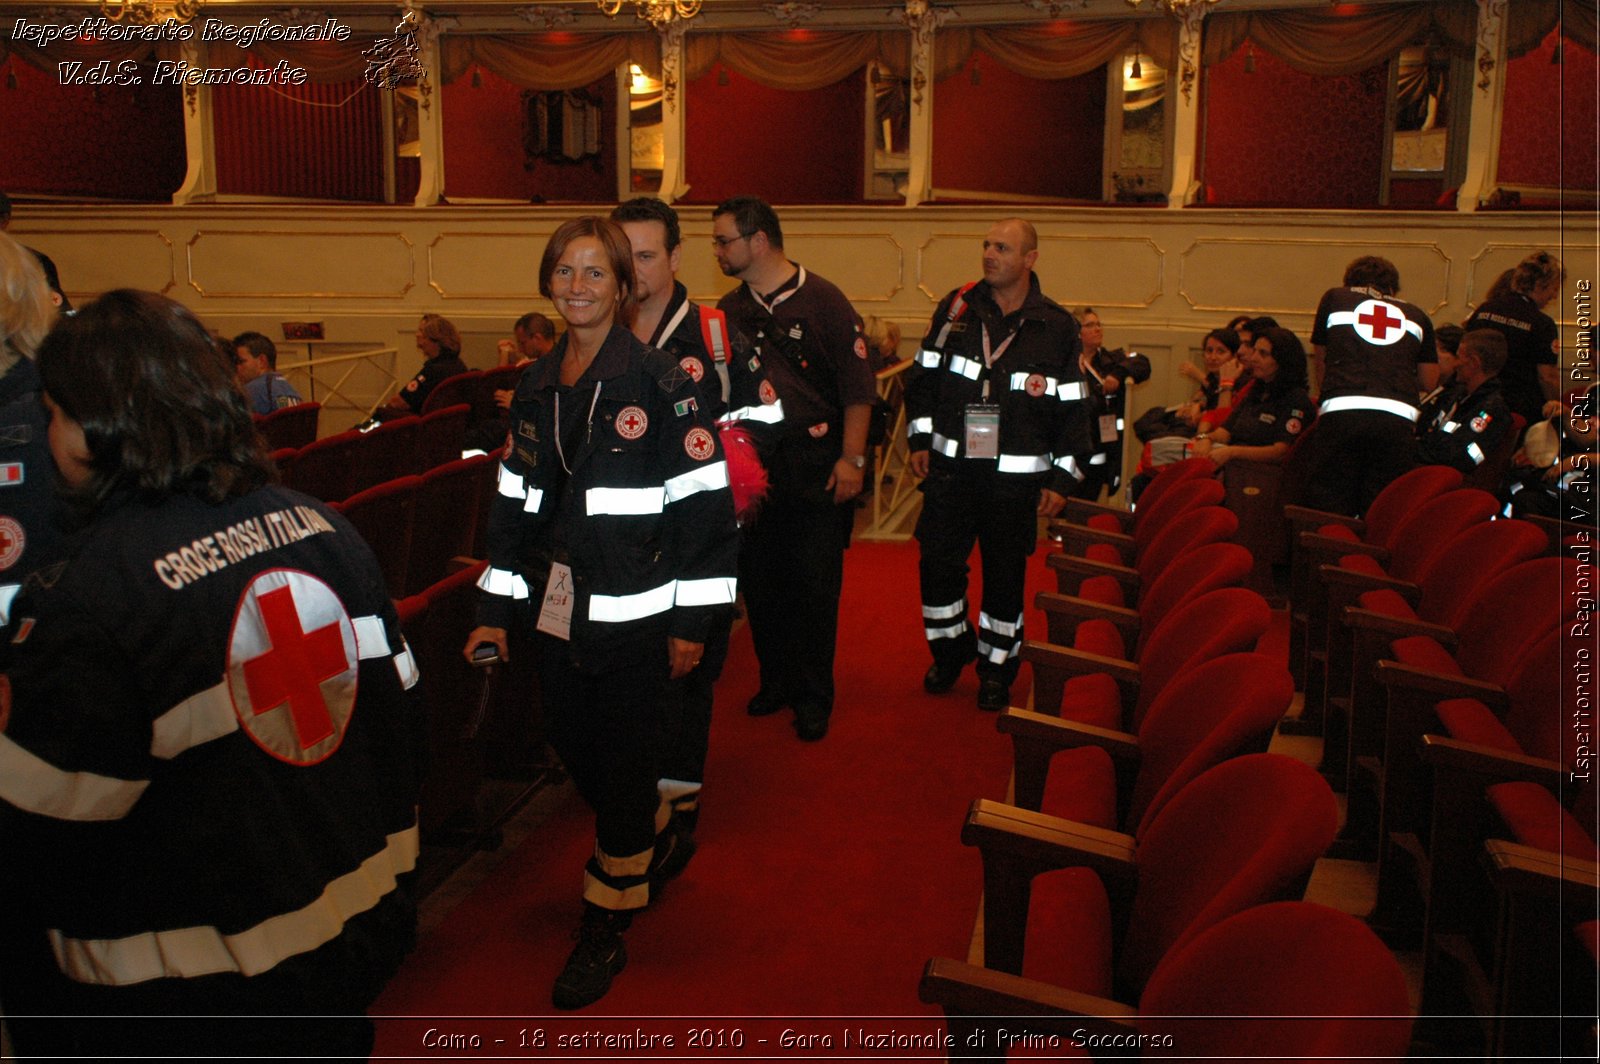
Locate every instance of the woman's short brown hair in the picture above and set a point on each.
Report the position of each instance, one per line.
(618, 250)
(442, 331)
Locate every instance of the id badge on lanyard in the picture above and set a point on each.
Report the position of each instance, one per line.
(982, 430)
(1108, 428)
(555, 613)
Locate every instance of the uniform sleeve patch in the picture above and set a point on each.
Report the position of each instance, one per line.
(1293, 426)
(698, 444)
(11, 473)
(691, 365)
(12, 542)
(685, 407)
(768, 393)
(1481, 422)
(632, 422)
(861, 348)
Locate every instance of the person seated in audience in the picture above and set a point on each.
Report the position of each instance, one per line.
(532, 337)
(440, 343)
(883, 336)
(1108, 372)
(1447, 338)
(255, 361)
(1275, 411)
(1553, 473)
(1166, 434)
(1532, 375)
(1471, 418)
(1219, 376)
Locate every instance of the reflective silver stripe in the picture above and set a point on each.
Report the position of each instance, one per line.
(1071, 391)
(1449, 426)
(1024, 463)
(472, 452)
(712, 591)
(623, 501)
(928, 359)
(503, 582)
(406, 666)
(189, 952)
(710, 477)
(1348, 317)
(957, 608)
(996, 656)
(535, 500)
(1070, 464)
(371, 639)
(1098, 459)
(962, 366)
(512, 486)
(1000, 627)
(951, 632)
(1368, 402)
(1119, 424)
(921, 426)
(1476, 452)
(617, 608)
(766, 413)
(945, 446)
(1019, 382)
(8, 592)
(34, 785)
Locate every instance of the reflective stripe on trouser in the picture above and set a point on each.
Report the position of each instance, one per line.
(613, 882)
(998, 514)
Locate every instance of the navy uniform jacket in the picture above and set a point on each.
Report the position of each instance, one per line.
(732, 378)
(442, 367)
(1466, 428)
(211, 768)
(1268, 415)
(29, 513)
(644, 518)
(1045, 412)
(1374, 344)
(1532, 340)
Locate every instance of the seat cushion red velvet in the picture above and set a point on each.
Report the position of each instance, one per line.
(1104, 589)
(1069, 932)
(1424, 653)
(1387, 602)
(1105, 523)
(1339, 532)
(1082, 786)
(1105, 554)
(1471, 721)
(1362, 563)
(1093, 699)
(1535, 818)
(1100, 637)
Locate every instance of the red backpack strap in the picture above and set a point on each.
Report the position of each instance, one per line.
(958, 306)
(714, 332)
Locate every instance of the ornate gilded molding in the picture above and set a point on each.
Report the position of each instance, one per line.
(672, 60)
(1054, 8)
(1491, 18)
(1349, 246)
(200, 234)
(1190, 19)
(547, 16)
(923, 20)
(792, 14)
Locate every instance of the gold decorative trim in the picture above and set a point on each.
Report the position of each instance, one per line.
(172, 273)
(276, 233)
(1569, 251)
(1359, 247)
(540, 239)
(1161, 263)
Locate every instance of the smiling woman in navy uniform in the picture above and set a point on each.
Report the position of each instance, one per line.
(209, 775)
(1276, 410)
(614, 521)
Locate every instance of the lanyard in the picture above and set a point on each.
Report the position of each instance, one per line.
(665, 332)
(990, 358)
(588, 424)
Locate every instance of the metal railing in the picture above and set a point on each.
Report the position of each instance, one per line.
(892, 467)
(329, 391)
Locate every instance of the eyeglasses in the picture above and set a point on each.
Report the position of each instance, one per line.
(724, 241)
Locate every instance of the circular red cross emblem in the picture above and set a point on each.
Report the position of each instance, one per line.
(631, 423)
(1034, 385)
(1379, 322)
(1293, 427)
(699, 445)
(292, 666)
(692, 367)
(861, 348)
(768, 393)
(819, 430)
(12, 540)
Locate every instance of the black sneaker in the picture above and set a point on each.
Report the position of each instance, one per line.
(993, 695)
(765, 703)
(673, 851)
(595, 960)
(810, 727)
(942, 676)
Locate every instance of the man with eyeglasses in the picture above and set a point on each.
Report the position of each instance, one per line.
(809, 339)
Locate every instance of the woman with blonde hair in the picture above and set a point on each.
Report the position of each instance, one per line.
(1532, 374)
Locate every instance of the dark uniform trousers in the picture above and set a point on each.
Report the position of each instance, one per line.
(687, 716)
(998, 512)
(791, 569)
(1355, 455)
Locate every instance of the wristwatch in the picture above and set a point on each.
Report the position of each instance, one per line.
(857, 460)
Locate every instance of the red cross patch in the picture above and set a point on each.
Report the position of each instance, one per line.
(1293, 427)
(861, 348)
(1379, 323)
(691, 365)
(699, 445)
(819, 430)
(631, 423)
(292, 666)
(12, 541)
(1481, 422)
(1034, 385)
(768, 393)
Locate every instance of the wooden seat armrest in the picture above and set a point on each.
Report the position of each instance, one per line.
(1058, 734)
(1492, 764)
(1077, 511)
(1058, 607)
(1352, 582)
(1078, 662)
(1318, 547)
(1438, 686)
(967, 990)
(1076, 539)
(1558, 879)
(1397, 627)
(1088, 567)
(1303, 517)
(1047, 842)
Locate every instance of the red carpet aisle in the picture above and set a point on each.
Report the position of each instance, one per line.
(827, 873)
